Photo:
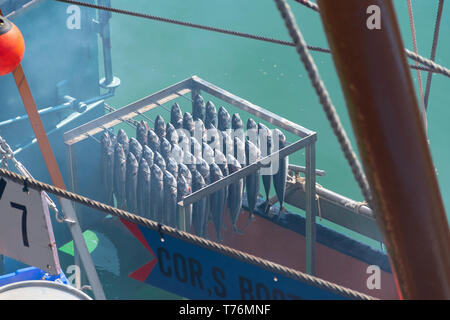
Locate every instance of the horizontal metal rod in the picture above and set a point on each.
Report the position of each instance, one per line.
(302, 169)
(222, 183)
(251, 108)
(111, 119)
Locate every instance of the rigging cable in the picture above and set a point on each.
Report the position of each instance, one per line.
(325, 99)
(428, 63)
(419, 76)
(433, 50)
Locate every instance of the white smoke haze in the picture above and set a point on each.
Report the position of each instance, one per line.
(191, 147)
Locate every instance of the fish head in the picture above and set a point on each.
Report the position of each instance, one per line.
(189, 160)
(197, 181)
(278, 138)
(144, 167)
(252, 153)
(153, 140)
(183, 187)
(219, 157)
(188, 122)
(159, 161)
(157, 173)
(172, 166)
(148, 155)
(236, 122)
(132, 163)
(177, 153)
(215, 173)
(223, 119)
(169, 180)
(176, 116)
(165, 147)
(233, 164)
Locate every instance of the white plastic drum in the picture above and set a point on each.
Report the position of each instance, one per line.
(41, 290)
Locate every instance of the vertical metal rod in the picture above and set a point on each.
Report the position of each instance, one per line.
(381, 100)
(310, 209)
(104, 17)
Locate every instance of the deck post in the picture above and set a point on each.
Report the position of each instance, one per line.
(381, 100)
(310, 208)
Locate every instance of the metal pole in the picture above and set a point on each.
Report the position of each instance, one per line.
(310, 209)
(55, 174)
(379, 91)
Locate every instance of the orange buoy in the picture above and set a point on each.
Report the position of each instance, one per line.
(12, 46)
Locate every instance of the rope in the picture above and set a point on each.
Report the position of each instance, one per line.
(204, 243)
(419, 76)
(191, 25)
(432, 66)
(324, 98)
(308, 4)
(433, 49)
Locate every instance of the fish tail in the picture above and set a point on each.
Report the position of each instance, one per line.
(236, 230)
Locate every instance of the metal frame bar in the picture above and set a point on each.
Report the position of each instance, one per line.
(195, 85)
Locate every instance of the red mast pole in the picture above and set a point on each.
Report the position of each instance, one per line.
(382, 103)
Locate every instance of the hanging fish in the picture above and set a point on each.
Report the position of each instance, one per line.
(122, 138)
(143, 194)
(177, 153)
(188, 123)
(160, 127)
(107, 167)
(217, 200)
(265, 142)
(184, 214)
(238, 126)
(190, 161)
(184, 141)
(203, 168)
(198, 108)
(213, 136)
(222, 163)
(280, 177)
(196, 147)
(252, 155)
(176, 116)
(186, 173)
(135, 148)
(199, 207)
(170, 200)
(165, 147)
(235, 192)
(252, 132)
(211, 114)
(239, 151)
(171, 134)
(148, 155)
(159, 161)
(172, 166)
(131, 182)
(199, 131)
(227, 144)
(120, 165)
(223, 119)
(153, 140)
(157, 194)
(141, 132)
(208, 153)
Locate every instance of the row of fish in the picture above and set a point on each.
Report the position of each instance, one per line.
(149, 174)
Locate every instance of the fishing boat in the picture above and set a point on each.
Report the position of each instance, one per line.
(130, 224)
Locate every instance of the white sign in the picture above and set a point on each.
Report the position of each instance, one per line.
(26, 232)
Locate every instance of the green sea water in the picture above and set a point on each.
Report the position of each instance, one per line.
(149, 56)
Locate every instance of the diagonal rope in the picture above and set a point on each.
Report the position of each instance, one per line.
(433, 49)
(324, 98)
(433, 67)
(419, 76)
(204, 243)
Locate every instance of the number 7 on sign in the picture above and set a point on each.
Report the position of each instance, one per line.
(24, 222)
